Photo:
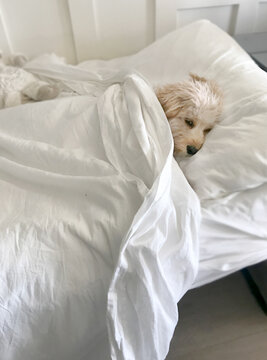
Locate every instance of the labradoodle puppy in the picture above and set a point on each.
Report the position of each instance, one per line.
(192, 108)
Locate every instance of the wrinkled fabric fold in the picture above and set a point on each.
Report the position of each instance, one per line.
(96, 245)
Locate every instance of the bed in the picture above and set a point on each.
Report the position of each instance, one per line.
(102, 230)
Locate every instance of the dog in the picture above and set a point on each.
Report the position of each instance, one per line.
(192, 108)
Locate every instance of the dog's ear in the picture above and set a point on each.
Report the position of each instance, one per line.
(212, 86)
(170, 99)
(195, 77)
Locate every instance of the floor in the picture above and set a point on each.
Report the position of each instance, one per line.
(220, 321)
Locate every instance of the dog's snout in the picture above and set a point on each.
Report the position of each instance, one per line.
(191, 150)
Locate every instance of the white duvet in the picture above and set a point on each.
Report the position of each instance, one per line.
(98, 227)
(100, 233)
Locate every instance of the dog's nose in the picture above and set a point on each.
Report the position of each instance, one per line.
(191, 150)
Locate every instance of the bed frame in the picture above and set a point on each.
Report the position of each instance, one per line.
(87, 29)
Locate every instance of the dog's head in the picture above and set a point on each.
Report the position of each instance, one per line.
(192, 108)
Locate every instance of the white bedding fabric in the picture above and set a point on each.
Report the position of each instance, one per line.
(99, 226)
(229, 173)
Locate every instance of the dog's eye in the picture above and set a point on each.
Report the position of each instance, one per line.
(207, 131)
(189, 123)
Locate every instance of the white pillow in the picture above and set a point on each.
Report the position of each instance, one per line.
(233, 158)
(234, 155)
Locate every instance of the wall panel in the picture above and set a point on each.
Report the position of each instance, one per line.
(38, 26)
(233, 16)
(90, 29)
(261, 25)
(224, 16)
(105, 29)
(5, 46)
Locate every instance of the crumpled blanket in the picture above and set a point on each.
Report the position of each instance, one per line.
(98, 227)
(19, 86)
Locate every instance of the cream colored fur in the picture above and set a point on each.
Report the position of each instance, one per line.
(192, 107)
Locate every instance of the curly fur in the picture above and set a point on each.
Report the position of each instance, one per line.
(192, 107)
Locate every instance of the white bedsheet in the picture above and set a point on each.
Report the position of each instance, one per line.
(98, 227)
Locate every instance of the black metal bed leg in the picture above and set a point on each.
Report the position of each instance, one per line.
(255, 290)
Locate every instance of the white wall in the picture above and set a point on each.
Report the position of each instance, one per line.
(112, 28)
(83, 29)
(234, 16)
(37, 26)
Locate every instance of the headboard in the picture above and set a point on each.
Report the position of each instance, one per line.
(90, 29)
